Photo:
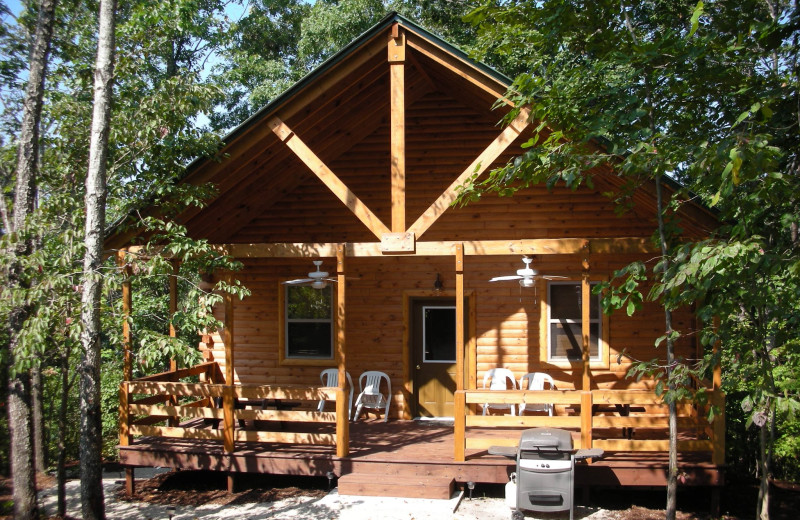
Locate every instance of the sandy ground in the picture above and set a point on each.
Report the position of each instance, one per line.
(329, 506)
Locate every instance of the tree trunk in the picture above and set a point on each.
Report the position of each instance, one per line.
(91, 444)
(762, 512)
(37, 416)
(672, 473)
(19, 396)
(63, 409)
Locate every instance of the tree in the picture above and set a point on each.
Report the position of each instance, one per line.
(22, 244)
(660, 89)
(92, 505)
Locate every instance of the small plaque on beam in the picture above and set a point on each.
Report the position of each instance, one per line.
(398, 243)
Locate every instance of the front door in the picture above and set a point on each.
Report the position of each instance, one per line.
(434, 350)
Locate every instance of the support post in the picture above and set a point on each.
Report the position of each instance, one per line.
(130, 482)
(586, 420)
(127, 305)
(586, 306)
(718, 455)
(586, 383)
(227, 338)
(397, 56)
(342, 420)
(173, 308)
(459, 316)
(342, 424)
(124, 415)
(227, 395)
(460, 426)
(227, 416)
(173, 333)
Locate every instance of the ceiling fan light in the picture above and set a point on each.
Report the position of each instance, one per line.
(319, 284)
(527, 282)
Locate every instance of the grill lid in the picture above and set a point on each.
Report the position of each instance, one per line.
(545, 439)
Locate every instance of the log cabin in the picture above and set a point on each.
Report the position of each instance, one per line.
(357, 167)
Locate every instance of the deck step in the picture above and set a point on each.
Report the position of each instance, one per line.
(365, 484)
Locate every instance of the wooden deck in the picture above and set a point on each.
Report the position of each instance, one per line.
(406, 448)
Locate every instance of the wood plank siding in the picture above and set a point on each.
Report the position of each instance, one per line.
(507, 321)
(357, 165)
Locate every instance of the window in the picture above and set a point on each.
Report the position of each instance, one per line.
(564, 323)
(439, 334)
(309, 322)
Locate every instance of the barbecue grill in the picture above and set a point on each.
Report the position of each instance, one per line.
(545, 470)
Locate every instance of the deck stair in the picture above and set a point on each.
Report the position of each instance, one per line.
(405, 486)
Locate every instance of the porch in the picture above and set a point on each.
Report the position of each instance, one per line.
(169, 423)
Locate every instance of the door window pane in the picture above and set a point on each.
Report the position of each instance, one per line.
(439, 334)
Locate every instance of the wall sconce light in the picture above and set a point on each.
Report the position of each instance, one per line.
(438, 285)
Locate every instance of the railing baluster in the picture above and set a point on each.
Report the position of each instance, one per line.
(124, 415)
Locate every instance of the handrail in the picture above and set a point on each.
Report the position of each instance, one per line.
(174, 375)
(636, 408)
(161, 404)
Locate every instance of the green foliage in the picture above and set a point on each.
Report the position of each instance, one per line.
(699, 93)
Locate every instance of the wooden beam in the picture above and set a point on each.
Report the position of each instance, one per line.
(476, 168)
(181, 389)
(459, 427)
(127, 305)
(228, 420)
(531, 421)
(334, 183)
(173, 333)
(342, 413)
(536, 246)
(459, 258)
(227, 391)
(124, 415)
(227, 337)
(456, 65)
(718, 427)
(586, 306)
(586, 420)
(397, 56)
(130, 482)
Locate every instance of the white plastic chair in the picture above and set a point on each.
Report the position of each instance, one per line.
(330, 377)
(497, 379)
(536, 381)
(371, 396)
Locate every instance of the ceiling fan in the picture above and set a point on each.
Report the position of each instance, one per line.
(527, 276)
(317, 279)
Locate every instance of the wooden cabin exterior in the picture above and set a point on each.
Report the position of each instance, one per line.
(357, 165)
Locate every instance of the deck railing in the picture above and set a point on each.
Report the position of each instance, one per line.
(176, 409)
(588, 412)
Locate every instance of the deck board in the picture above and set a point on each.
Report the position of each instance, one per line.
(405, 448)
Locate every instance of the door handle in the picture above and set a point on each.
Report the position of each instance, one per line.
(418, 367)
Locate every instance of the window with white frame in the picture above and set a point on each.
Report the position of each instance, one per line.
(309, 322)
(564, 323)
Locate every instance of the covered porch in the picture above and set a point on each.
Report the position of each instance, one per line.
(168, 423)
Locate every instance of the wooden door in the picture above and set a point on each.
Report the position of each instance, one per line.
(434, 355)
